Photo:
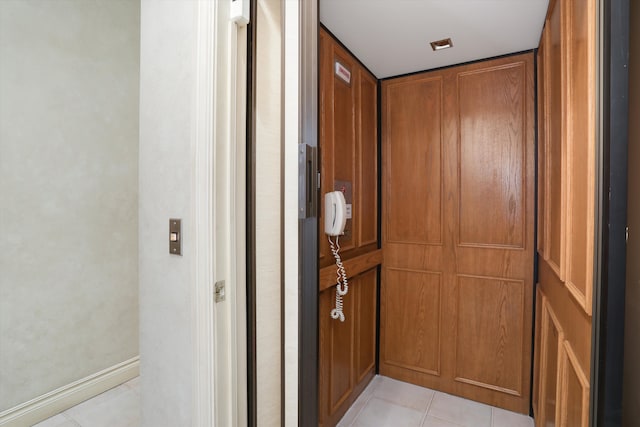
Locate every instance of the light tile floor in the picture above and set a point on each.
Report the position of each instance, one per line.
(118, 407)
(387, 402)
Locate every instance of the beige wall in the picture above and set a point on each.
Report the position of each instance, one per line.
(631, 386)
(268, 211)
(69, 73)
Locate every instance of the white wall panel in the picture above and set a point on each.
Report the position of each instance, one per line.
(69, 82)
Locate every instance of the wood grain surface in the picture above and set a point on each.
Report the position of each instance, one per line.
(458, 237)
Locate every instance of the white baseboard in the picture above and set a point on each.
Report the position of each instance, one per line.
(63, 398)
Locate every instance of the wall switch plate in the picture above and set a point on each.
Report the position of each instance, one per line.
(175, 236)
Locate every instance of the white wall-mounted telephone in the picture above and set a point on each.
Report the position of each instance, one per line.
(335, 219)
(335, 213)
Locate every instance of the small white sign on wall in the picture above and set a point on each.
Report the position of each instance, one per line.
(343, 73)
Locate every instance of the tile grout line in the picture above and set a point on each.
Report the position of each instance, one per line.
(379, 385)
(446, 421)
(400, 404)
(366, 401)
(426, 413)
(70, 418)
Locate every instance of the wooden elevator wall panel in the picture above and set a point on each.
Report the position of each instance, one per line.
(574, 409)
(367, 198)
(348, 147)
(366, 325)
(413, 122)
(575, 323)
(537, 356)
(490, 333)
(551, 380)
(411, 302)
(541, 164)
(348, 152)
(551, 340)
(347, 349)
(343, 149)
(567, 124)
(574, 403)
(341, 355)
(555, 214)
(492, 181)
(580, 151)
(458, 200)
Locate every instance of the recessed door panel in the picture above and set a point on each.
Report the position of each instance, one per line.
(490, 333)
(555, 143)
(366, 324)
(552, 338)
(341, 354)
(413, 118)
(344, 139)
(368, 194)
(542, 138)
(575, 391)
(411, 307)
(580, 151)
(491, 168)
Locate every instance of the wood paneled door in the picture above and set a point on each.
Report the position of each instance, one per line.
(347, 349)
(566, 233)
(458, 230)
(348, 146)
(348, 158)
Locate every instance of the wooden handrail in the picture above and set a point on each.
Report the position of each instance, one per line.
(353, 266)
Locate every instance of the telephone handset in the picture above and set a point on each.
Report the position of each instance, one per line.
(335, 219)
(335, 213)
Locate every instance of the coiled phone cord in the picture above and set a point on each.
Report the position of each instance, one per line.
(342, 287)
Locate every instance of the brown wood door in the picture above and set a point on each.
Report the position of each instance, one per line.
(567, 95)
(348, 153)
(458, 200)
(348, 147)
(347, 349)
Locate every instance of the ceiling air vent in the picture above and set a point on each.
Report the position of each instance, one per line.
(441, 44)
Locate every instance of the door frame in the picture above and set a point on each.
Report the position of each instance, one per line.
(296, 47)
(218, 174)
(218, 206)
(608, 304)
(308, 325)
(609, 288)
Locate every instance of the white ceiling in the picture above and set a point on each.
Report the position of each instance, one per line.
(391, 37)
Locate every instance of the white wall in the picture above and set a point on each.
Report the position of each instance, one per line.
(68, 192)
(192, 121)
(167, 76)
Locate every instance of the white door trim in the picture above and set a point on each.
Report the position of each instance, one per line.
(291, 131)
(218, 179)
(203, 187)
